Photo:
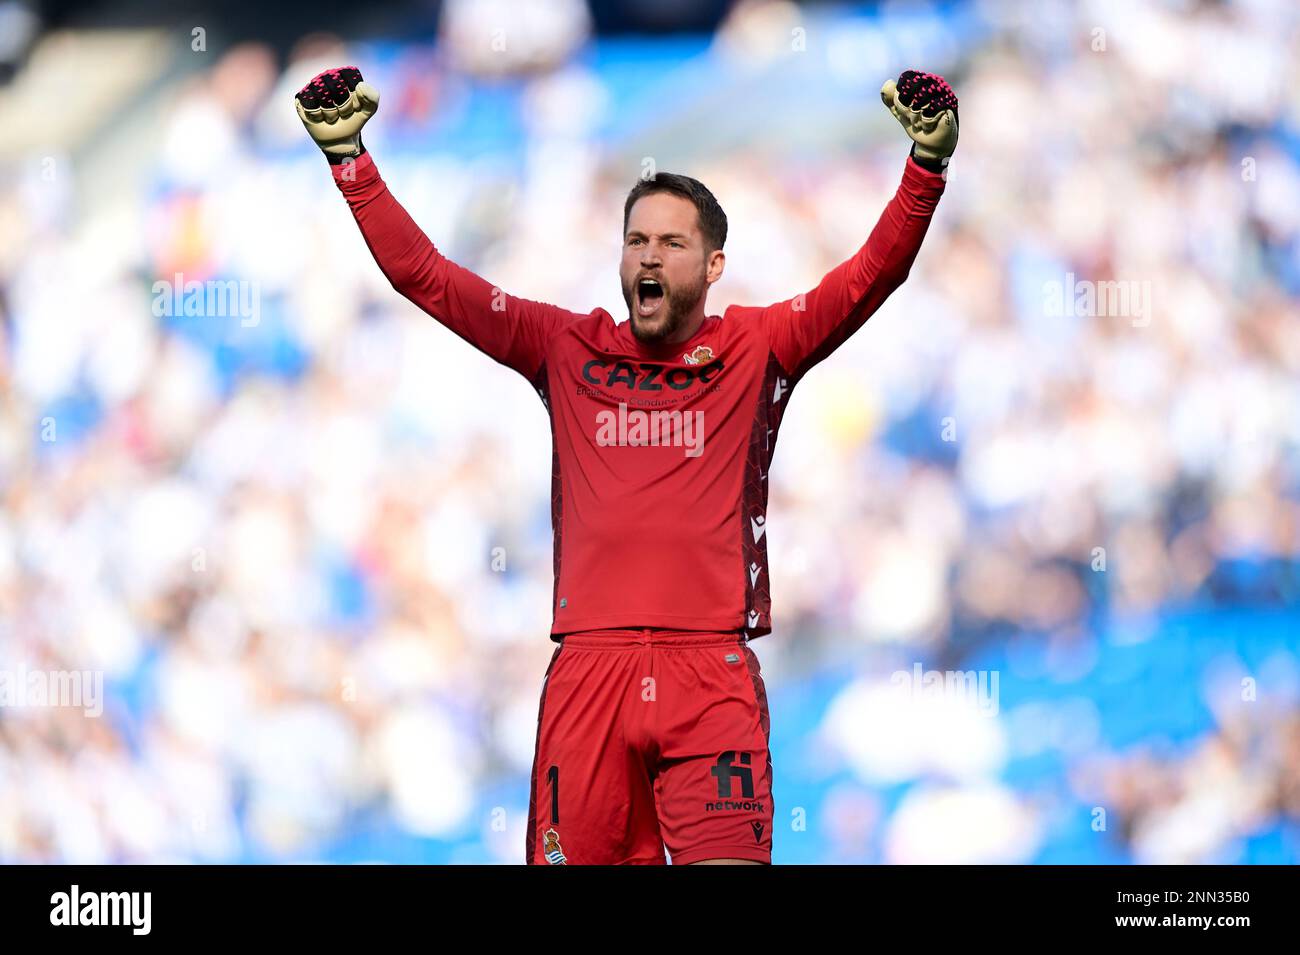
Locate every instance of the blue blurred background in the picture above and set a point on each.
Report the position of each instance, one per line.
(307, 544)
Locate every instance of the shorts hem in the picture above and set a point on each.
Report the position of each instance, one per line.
(749, 853)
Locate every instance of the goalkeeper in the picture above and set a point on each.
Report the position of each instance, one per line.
(653, 728)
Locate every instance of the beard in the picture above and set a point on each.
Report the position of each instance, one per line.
(676, 307)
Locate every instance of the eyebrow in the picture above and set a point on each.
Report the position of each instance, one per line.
(666, 235)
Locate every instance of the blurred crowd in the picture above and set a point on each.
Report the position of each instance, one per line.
(307, 540)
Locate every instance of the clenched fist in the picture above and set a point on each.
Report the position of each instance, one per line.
(927, 107)
(334, 106)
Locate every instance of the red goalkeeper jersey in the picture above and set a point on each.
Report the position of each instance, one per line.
(661, 453)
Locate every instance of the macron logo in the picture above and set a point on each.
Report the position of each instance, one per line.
(102, 908)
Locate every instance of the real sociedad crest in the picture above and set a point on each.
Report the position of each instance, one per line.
(551, 848)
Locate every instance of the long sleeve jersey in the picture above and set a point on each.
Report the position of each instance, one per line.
(660, 452)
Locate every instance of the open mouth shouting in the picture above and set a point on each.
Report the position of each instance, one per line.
(649, 296)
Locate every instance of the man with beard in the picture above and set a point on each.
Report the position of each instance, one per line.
(653, 722)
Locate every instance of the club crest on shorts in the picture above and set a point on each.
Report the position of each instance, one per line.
(551, 848)
(701, 355)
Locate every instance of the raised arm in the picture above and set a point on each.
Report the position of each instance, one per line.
(805, 329)
(512, 330)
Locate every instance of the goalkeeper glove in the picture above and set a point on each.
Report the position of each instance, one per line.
(927, 107)
(334, 106)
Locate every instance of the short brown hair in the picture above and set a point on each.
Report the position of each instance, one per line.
(712, 220)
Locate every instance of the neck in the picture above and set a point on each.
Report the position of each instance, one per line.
(689, 327)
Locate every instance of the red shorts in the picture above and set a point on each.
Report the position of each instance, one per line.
(646, 739)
